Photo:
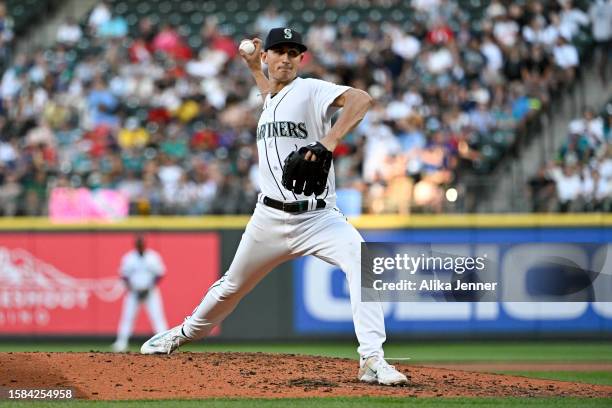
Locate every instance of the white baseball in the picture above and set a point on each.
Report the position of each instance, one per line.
(247, 46)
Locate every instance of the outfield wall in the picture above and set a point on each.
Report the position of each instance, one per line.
(61, 279)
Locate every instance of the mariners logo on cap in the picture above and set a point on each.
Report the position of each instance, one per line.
(284, 35)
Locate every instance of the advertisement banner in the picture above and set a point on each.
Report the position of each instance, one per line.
(61, 283)
(322, 304)
(82, 204)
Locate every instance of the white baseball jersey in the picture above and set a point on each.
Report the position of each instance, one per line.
(298, 115)
(141, 271)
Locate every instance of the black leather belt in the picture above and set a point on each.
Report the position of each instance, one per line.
(292, 207)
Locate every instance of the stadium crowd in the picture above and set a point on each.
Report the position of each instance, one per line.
(172, 126)
(580, 177)
(6, 36)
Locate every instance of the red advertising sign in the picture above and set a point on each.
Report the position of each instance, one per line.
(68, 282)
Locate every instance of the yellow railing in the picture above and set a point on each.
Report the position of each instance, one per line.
(363, 222)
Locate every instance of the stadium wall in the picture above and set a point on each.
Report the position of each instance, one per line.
(61, 279)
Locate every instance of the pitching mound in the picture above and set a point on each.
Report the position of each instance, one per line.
(107, 376)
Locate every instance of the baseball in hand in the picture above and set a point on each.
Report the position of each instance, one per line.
(247, 46)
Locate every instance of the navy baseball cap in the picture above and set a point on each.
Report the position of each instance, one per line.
(283, 35)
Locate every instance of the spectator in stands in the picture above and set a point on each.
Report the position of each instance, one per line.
(69, 32)
(474, 61)
(145, 116)
(216, 41)
(535, 32)
(572, 17)
(555, 30)
(403, 44)
(600, 13)
(6, 35)
(541, 190)
(116, 27)
(495, 9)
(320, 35)
(268, 20)
(440, 33)
(427, 6)
(506, 31)
(10, 191)
(169, 42)
(102, 104)
(598, 194)
(566, 58)
(607, 125)
(100, 15)
(569, 186)
(493, 54)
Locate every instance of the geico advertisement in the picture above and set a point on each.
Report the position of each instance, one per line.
(70, 282)
(322, 301)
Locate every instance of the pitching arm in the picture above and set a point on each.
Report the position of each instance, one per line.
(253, 61)
(356, 103)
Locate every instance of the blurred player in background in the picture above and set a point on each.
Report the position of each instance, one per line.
(141, 269)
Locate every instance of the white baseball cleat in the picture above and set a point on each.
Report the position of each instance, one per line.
(164, 342)
(376, 370)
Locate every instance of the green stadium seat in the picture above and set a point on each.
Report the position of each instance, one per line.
(319, 5)
(297, 5)
(375, 15)
(143, 8)
(331, 16)
(398, 16)
(231, 6)
(187, 7)
(184, 30)
(196, 19)
(308, 17)
(165, 7)
(209, 7)
(132, 19)
(195, 41)
(350, 15)
(221, 17)
(253, 6)
(175, 19)
(120, 8)
(242, 18)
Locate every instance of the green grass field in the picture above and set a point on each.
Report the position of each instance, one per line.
(333, 403)
(418, 352)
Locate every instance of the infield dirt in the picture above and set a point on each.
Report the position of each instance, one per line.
(109, 376)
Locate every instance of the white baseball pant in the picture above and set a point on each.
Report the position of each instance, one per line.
(273, 237)
(155, 310)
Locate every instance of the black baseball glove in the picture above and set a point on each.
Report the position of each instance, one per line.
(142, 294)
(304, 176)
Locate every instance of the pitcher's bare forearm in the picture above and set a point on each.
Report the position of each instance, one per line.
(262, 82)
(355, 104)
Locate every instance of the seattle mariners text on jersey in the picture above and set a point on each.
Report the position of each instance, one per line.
(282, 129)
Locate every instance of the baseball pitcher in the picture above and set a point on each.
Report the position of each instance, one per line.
(296, 213)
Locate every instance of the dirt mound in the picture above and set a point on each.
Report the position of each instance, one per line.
(107, 376)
